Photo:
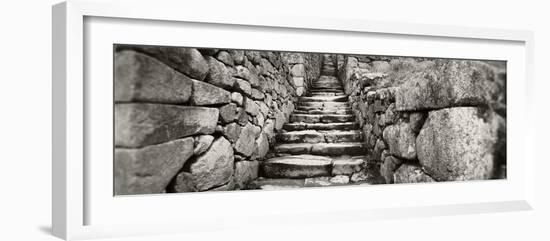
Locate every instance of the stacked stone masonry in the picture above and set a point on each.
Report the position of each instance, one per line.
(427, 120)
(190, 119)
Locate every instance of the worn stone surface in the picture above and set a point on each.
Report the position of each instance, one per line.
(401, 140)
(207, 94)
(242, 86)
(202, 143)
(138, 125)
(245, 144)
(188, 61)
(457, 144)
(251, 107)
(214, 167)
(232, 132)
(408, 173)
(219, 75)
(447, 83)
(149, 169)
(299, 166)
(139, 77)
(245, 172)
(237, 55)
(229, 113)
(237, 98)
(225, 57)
(388, 168)
(347, 166)
(261, 146)
(184, 182)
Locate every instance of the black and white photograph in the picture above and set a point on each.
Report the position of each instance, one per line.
(210, 119)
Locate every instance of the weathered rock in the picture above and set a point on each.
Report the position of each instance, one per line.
(253, 56)
(229, 113)
(262, 146)
(149, 169)
(237, 98)
(238, 56)
(228, 186)
(232, 132)
(347, 166)
(242, 86)
(186, 60)
(139, 125)
(256, 94)
(245, 73)
(388, 168)
(214, 167)
(293, 58)
(416, 120)
(251, 107)
(298, 70)
(139, 77)
(447, 83)
(401, 140)
(245, 143)
(380, 66)
(184, 183)
(207, 94)
(317, 182)
(408, 173)
(457, 144)
(219, 74)
(202, 143)
(340, 179)
(268, 129)
(245, 172)
(225, 57)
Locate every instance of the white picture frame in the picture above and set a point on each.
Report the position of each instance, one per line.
(73, 192)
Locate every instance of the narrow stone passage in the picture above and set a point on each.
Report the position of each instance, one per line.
(322, 144)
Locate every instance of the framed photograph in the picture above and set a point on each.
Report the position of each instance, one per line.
(167, 122)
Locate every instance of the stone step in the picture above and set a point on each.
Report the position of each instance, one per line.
(308, 166)
(328, 149)
(323, 111)
(327, 89)
(287, 183)
(341, 98)
(298, 166)
(327, 104)
(325, 118)
(320, 126)
(325, 93)
(319, 85)
(313, 136)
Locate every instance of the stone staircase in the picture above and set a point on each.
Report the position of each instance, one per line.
(321, 145)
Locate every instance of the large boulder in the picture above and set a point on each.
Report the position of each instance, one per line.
(213, 168)
(458, 144)
(139, 77)
(149, 169)
(138, 125)
(401, 140)
(447, 83)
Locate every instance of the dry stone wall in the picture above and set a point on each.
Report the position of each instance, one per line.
(427, 120)
(190, 119)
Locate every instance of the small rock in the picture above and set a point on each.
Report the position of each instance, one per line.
(232, 132)
(251, 107)
(408, 173)
(225, 57)
(340, 179)
(237, 98)
(242, 86)
(244, 145)
(229, 113)
(245, 172)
